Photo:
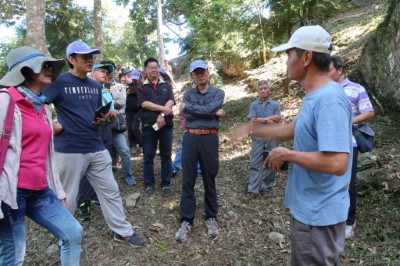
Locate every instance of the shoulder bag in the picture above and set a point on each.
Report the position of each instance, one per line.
(364, 136)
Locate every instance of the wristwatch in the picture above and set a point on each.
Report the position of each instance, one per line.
(162, 115)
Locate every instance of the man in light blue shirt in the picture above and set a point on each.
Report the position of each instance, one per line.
(316, 192)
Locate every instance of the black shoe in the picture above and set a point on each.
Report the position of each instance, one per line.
(166, 191)
(134, 240)
(150, 191)
(174, 173)
(84, 211)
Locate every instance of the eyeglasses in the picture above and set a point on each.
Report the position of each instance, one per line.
(153, 68)
(85, 56)
(47, 66)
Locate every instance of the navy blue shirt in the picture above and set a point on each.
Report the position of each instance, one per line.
(76, 101)
(200, 108)
(160, 95)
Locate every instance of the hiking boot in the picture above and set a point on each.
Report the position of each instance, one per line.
(150, 191)
(130, 181)
(84, 211)
(250, 196)
(349, 232)
(166, 191)
(183, 231)
(134, 240)
(212, 227)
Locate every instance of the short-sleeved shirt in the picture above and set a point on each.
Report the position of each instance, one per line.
(323, 124)
(118, 92)
(76, 101)
(201, 108)
(264, 109)
(159, 94)
(359, 99)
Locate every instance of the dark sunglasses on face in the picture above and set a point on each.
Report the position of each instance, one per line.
(47, 66)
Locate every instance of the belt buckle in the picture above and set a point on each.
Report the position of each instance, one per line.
(197, 131)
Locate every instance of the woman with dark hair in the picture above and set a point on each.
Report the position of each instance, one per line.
(29, 180)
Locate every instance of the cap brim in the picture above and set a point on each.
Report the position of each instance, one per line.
(202, 67)
(91, 51)
(15, 77)
(282, 47)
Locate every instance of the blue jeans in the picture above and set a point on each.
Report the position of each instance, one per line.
(177, 165)
(44, 208)
(151, 138)
(121, 146)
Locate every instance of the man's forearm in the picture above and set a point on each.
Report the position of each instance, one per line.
(335, 163)
(275, 131)
(153, 107)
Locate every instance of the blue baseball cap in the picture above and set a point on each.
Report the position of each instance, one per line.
(197, 64)
(162, 70)
(135, 74)
(79, 47)
(109, 67)
(127, 70)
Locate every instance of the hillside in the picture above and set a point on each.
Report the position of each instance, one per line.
(246, 226)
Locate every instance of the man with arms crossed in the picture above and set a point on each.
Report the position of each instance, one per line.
(316, 192)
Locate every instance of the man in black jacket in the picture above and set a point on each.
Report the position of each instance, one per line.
(156, 100)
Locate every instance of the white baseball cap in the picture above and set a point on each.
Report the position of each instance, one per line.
(309, 38)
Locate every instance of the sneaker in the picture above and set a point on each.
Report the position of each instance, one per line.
(150, 191)
(130, 181)
(134, 240)
(94, 203)
(174, 173)
(250, 196)
(349, 232)
(183, 231)
(166, 191)
(84, 211)
(212, 227)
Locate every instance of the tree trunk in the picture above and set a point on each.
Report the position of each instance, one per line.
(160, 34)
(35, 25)
(98, 29)
(260, 11)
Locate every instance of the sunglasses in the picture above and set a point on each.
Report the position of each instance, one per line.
(47, 66)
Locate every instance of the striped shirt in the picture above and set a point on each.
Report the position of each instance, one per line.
(359, 99)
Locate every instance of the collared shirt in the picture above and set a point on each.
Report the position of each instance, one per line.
(359, 100)
(201, 108)
(263, 109)
(160, 95)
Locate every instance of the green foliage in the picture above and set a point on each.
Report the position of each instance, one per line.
(11, 11)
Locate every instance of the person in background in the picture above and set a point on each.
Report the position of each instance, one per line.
(29, 181)
(125, 76)
(262, 111)
(79, 148)
(362, 111)
(202, 109)
(118, 92)
(156, 100)
(133, 114)
(317, 187)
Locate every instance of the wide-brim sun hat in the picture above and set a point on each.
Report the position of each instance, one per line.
(29, 57)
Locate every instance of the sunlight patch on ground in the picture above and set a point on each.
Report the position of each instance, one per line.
(234, 92)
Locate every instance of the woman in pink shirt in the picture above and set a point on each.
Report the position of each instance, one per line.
(29, 181)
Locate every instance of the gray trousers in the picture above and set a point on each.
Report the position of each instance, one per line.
(97, 168)
(316, 245)
(260, 178)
